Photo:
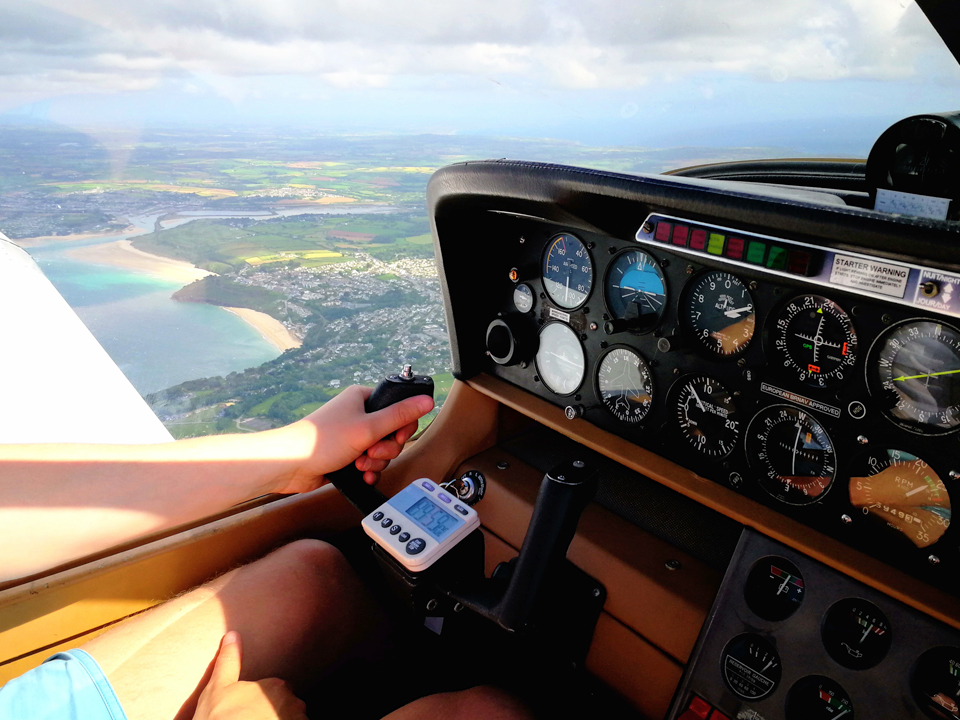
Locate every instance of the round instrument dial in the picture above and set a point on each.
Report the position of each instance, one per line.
(936, 683)
(636, 289)
(904, 493)
(707, 416)
(774, 588)
(560, 360)
(523, 298)
(751, 666)
(856, 633)
(816, 697)
(815, 341)
(720, 313)
(792, 454)
(915, 371)
(567, 271)
(625, 385)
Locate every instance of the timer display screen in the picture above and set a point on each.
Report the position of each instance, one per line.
(432, 518)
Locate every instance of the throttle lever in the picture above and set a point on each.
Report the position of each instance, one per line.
(390, 390)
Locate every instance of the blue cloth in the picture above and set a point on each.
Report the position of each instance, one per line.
(68, 686)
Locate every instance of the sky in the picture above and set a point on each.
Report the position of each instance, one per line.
(821, 75)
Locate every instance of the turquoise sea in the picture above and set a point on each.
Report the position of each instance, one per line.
(156, 341)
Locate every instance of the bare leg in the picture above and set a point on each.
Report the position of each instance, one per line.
(299, 610)
(479, 703)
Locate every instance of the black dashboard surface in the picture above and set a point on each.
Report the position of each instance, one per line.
(799, 418)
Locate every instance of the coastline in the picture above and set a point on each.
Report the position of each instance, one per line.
(270, 329)
(41, 240)
(122, 254)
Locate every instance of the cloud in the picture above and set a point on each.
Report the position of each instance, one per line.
(102, 46)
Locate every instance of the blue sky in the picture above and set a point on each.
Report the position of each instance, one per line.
(816, 75)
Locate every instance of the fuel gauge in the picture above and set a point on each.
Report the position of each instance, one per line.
(856, 633)
(774, 588)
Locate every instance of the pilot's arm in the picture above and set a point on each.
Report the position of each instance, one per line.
(59, 502)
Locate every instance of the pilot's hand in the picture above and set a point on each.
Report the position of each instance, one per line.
(226, 698)
(344, 432)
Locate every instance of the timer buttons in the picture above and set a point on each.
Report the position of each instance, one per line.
(416, 546)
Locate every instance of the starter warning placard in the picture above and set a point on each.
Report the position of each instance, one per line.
(871, 275)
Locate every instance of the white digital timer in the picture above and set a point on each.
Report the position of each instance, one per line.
(419, 524)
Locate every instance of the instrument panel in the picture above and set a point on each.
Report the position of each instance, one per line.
(817, 382)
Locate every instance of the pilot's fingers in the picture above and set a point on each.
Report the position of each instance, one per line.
(368, 464)
(399, 415)
(406, 432)
(226, 668)
(283, 702)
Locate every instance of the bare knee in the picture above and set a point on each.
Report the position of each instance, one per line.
(479, 703)
(308, 560)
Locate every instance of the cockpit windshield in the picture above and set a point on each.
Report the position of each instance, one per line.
(231, 196)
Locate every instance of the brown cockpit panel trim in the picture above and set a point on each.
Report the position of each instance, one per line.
(857, 565)
(667, 607)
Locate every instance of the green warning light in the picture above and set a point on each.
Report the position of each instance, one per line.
(777, 260)
(756, 252)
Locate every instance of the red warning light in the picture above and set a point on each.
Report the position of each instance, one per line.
(813, 369)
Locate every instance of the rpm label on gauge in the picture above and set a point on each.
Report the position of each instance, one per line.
(567, 271)
(751, 666)
(625, 385)
(720, 313)
(914, 370)
(707, 416)
(792, 454)
(814, 340)
(902, 492)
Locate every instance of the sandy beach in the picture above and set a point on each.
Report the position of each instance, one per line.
(122, 254)
(42, 240)
(271, 329)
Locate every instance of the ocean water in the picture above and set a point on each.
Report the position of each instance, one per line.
(156, 341)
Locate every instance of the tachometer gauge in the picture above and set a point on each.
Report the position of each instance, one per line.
(815, 341)
(751, 666)
(816, 697)
(560, 359)
(707, 416)
(856, 633)
(774, 588)
(914, 370)
(567, 271)
(625, 385)
(936, 683)
(904, 493)
(792, 454)
(636, 289)
(720, 312)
